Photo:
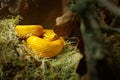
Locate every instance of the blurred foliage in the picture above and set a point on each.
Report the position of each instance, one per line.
(16, 64)
(102, 62)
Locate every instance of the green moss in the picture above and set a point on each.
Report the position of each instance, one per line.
(14, 65)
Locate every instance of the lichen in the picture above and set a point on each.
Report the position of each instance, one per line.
(16, 64)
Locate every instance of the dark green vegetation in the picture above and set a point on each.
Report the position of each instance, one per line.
(93, 27)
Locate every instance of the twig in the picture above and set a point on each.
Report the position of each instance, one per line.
(16, 50)
(110, 29)
(112, 24)
(110, 6)
(28, 52)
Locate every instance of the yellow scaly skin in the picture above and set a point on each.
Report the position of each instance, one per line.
(24, 31)
(45, 48)
(49, 34)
